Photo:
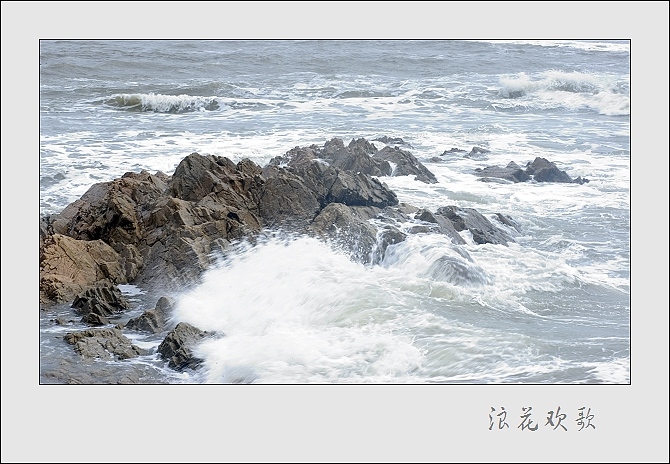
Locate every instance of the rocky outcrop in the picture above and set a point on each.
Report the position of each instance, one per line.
(159, 231)
(544, 170)
(359, 157)
(152, 320)
(177, 347)
(540, 170)
(103, 343)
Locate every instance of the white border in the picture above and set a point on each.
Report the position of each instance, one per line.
(329, 423)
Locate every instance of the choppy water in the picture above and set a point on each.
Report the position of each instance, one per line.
(553, 308)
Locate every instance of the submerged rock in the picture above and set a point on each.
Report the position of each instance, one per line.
(482, 230)
(458, 272)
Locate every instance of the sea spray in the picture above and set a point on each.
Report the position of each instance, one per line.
(298, 311)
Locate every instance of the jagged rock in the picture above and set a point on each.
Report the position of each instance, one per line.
(296, 157)
(94, 319)
(477, 153)
(508, 221)
(177, 347)
(332, 146)
(158, 230)
(356, 159)
(442, 225)
(482, 230)
(540, 170)
(392, 141)
(407, 209)
(357, 190)
(68, 266)
(362, 146)
(112, 211)
(103, 300)
(287, 202)
(406, 164)
(544, 170)
(152, 320)
(103, 343)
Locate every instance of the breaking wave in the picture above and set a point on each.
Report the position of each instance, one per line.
(568, 90)
(158, 103)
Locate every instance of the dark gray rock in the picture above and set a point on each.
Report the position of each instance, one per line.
(540, 170)
(482, 230)
(94, 319)
(386, 237)
(362, 146)
(508, 221)
(392, 141)
(406, 164)
(152, 320)
(177, 347)
(287, 202)
(358, 160)
(357, 190)
(331, 146)
(477, 153)
(512, 174)
(103, 300)
(452, 151)
(544, 170)
(295, 157)
(442, 225)
(103, 343)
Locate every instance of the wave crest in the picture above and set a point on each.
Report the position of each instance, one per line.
(568, 90)
(158, 103)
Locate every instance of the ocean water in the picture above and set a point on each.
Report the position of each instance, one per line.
(554, 308)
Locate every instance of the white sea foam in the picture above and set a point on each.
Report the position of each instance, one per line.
(576, 90)
(620, 47)
(308, 315)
